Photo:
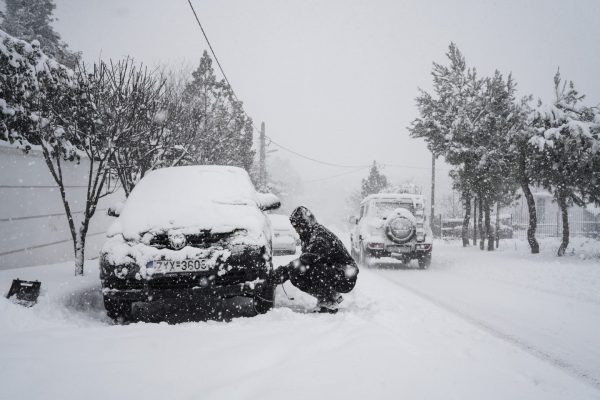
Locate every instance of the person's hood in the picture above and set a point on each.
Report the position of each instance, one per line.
(304, 221)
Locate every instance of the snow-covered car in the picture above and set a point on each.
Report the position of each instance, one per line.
(192, 232)
(285, 237)
(392, 225)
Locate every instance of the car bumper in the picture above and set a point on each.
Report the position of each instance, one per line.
(410, 250)
(242, 275)
(147, 293)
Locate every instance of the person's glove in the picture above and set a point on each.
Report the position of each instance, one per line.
(300, 265)
(308, 259)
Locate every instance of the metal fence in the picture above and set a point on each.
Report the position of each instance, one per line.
(515, 221)
(581, 223)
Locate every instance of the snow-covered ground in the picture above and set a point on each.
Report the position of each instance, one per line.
(476, 325)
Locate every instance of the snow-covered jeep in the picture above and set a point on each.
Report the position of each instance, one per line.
(391, 225)
(192, 232)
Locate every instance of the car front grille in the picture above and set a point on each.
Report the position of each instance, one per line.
(202, 240)
(181, 281)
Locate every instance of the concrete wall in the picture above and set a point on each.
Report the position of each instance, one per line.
(33, 224)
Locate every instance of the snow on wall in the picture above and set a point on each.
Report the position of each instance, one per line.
(33, 226)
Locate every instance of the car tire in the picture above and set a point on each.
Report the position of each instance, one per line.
(364, 258)
(264, 299)
(118, 310)
(424, 261)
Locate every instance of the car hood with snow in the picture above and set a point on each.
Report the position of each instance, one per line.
(191, 200)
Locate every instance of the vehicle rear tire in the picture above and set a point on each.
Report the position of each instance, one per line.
(264, 299)
(364, 259)
(425, 261)
(118, 310)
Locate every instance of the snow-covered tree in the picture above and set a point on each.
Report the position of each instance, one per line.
(31, 20)
(219, 130)
(375, 182)
(449, 122)
(47, 106)
(146, 109)
(467, 120)
(565, 135)
(520, 154)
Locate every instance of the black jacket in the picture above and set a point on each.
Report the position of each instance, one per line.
(330, 262)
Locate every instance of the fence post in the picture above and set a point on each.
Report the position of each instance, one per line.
(557, 224)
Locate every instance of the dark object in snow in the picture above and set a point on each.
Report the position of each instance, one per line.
(325, 268)
(325, 310)
(26, 292)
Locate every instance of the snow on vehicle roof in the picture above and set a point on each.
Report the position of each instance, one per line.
(217, 198)
(280, 222)
(414, 198)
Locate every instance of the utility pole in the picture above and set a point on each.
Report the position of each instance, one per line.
(433, 192)
(262, 160)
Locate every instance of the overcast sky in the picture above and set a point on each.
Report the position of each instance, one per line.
(336, 80)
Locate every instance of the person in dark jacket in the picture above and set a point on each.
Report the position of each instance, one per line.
(324, 269)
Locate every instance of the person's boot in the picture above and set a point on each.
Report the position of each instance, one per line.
(329, 305)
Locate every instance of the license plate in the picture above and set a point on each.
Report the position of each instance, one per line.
(172, 267)
(399, 249)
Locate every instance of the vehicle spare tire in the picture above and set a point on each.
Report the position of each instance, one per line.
(399, 228)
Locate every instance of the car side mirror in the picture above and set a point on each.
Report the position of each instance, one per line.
(268, 201)
(353, 220)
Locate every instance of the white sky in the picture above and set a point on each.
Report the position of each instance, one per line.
(336, 80)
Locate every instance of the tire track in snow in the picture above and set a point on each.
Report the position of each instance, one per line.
(515, 341)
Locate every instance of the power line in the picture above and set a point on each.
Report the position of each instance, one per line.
(314, 159)
(212, 51)
(335, 176)
(234, 94)
(270, 138)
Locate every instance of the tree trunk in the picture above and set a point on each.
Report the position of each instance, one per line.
(465, 226)
(480, 225)
(488, 227)
(79, 254)
(497, 225)
(533, 243)
(475, 221)
(564, 210)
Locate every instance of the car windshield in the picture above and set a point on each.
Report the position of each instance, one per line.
(381, 209)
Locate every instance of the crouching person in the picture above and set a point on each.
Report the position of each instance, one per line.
(325, 269)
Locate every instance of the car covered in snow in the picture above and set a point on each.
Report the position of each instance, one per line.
(285, 237)
(190, 233)
(391, 225)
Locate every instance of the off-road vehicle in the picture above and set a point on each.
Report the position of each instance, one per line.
(391, 225)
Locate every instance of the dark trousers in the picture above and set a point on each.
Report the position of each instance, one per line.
(323, 282)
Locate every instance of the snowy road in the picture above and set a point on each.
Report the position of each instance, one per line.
(556, 326)
(476, 325)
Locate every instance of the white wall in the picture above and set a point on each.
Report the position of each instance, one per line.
(33, 225)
